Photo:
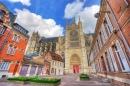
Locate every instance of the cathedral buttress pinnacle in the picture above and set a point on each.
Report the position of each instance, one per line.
(67, 24)
(80, 23)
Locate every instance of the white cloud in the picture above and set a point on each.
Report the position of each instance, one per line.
(33, 22)
(24, 2)
(86, 14)
(73, 9)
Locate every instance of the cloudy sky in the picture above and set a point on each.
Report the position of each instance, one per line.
(48, 17)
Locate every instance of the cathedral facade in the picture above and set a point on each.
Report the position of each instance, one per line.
(74, 47)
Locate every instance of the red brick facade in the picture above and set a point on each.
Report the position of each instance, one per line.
(110, 51)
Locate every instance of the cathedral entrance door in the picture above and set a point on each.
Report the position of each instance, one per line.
(75, 69)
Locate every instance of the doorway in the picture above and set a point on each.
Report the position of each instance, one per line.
(75, 69)
(75, 63)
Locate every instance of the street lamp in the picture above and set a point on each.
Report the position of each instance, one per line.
(98, 14)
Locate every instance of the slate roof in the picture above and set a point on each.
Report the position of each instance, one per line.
(38, 61)
(27, 61)
(30, 56)
(49, 39)
(56, 56)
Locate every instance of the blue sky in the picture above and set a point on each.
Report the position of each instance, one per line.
(49, 16)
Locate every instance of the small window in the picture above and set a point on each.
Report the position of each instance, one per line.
(2, 31)
(18, 39)
(4, 66)
(13, 51)
(14, 37)
(9, 49)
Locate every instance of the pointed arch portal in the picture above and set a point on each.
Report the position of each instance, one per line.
(75, 63)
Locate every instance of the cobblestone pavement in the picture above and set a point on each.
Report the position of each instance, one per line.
(68, 80)
(73, 80)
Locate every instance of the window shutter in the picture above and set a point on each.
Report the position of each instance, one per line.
(14, 37)
(99, 41)
(105, 62)
(103, 37)
(113, 59)
(109, 22)
(104, 32)
(122, 57)
(13, 51)
(8, 50)
(110, 62)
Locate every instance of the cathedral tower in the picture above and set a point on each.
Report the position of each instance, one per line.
(75, 49)
(34, 43)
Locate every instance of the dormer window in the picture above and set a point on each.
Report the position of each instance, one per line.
(2, 13)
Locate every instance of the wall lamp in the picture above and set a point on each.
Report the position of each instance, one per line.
(98, 14)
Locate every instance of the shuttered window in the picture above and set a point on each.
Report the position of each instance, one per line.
(13, 51)
(121, 57)
(105, 60)
(110, 61)
(9, 49)
(99, 42)
(104, 32)
(4, 66)
(113, 59)
(103, 37)
(14, 37)
(108, 24)
(2, 31)
(18, 39)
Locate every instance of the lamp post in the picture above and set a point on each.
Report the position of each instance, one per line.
(98, 14)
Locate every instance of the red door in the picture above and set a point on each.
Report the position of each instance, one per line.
(75, 69)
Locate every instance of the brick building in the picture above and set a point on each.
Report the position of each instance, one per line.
(6, 21)
(110, 50)
(13, 50)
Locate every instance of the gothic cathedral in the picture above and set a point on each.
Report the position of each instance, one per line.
(74, 47)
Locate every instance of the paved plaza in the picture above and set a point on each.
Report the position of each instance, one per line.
(68, 80)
